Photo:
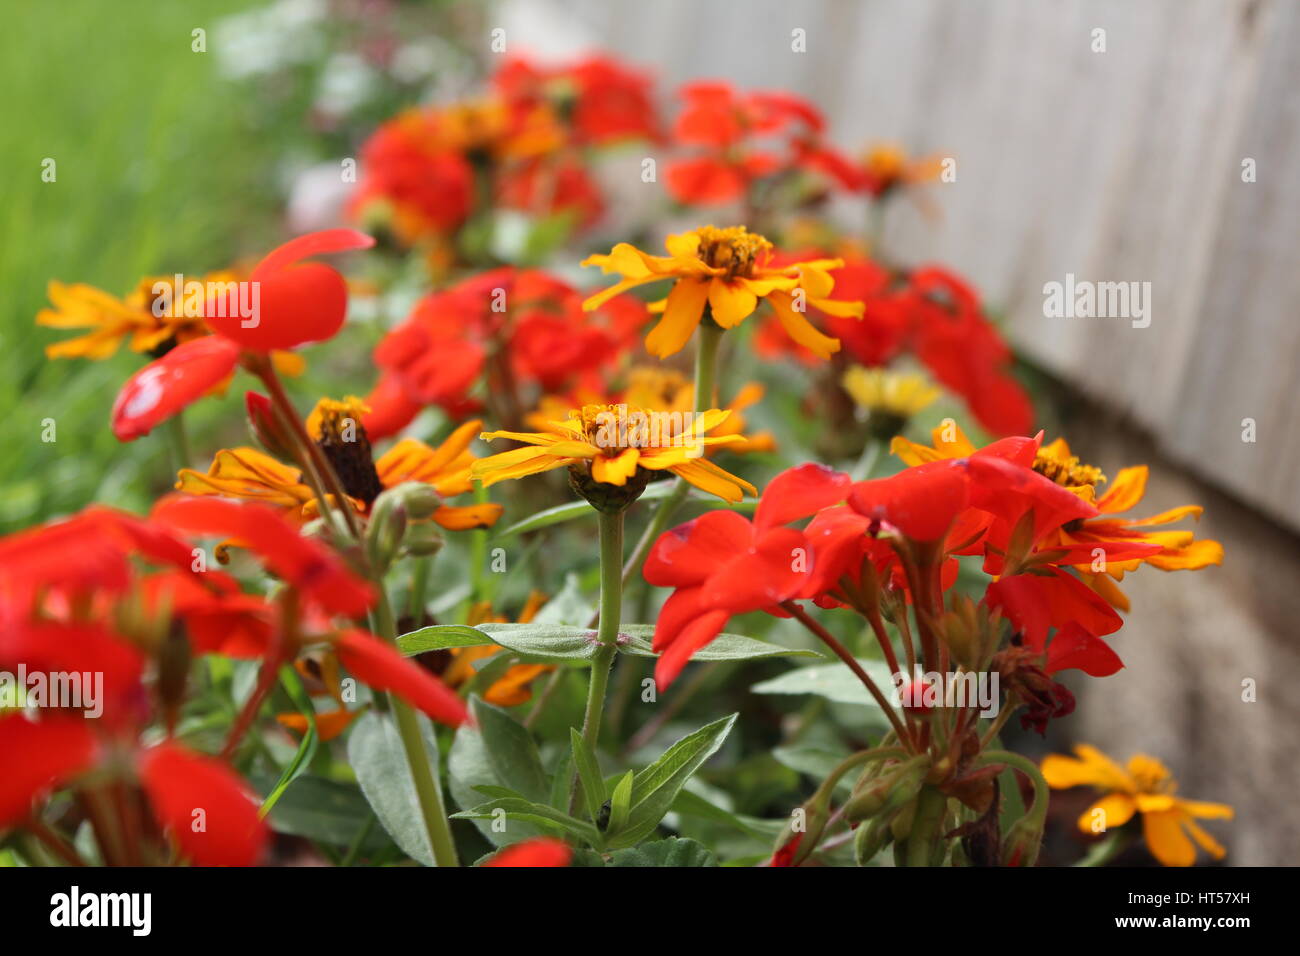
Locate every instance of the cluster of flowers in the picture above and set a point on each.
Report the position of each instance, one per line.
(327, 520)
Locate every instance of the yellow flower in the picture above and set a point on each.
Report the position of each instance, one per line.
(113, 321)
(615, 442)
(892, 394)
(1179, 550)
(663, 390)
(887, 165)
(512, 687)
(337, 429)
(1145, 787)
(727, 272)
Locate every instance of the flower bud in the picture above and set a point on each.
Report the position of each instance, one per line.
(386, 530)
(870, 839)
(266, 427)
(887, 792)
(1021, 845)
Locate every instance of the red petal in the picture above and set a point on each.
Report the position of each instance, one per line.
(80, 648)
(542, 851)
(295, 303)
(704, 180)
(391, 408)
(307, 564)
(205, 806)
(164, 387)
(383, 668)
(312, 244)
(1074, 647)
(775, 569)
(37, 757)
(687, 554)
(1034, 603)
(800, 491)
(921, 502)
(686, 642)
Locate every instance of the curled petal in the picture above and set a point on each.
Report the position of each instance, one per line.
(164, 387)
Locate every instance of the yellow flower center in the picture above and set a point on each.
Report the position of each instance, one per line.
(735, 249)
(615, 428)
(1066, 470)
(1150, 775)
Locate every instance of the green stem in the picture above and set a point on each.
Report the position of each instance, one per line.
(611, 605)
(706, 367)
(1030, 769)
(419, 586)
(417, 758)
(178, 442)
(930, 807)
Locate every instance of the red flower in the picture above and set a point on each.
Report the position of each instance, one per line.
(601, 100)
(541, 851)
(533, 319)
(381, 667)
(297, 303)
(727, 124)
(185, 788)
(308, 565)
(166, 386)
(720, 564)
(921, 502)
(1035, 603)
(409, 164)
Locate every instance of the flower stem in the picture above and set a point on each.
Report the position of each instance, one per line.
(417, 758)
(611, 605)
(178, 442)
(706, 367)
(931, 805)
(843, 654)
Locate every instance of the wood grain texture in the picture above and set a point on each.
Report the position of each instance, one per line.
(1115, 166)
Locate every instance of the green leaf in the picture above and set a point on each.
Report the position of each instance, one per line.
(306, 749)
(511, 751)
(693, 805)
(439, 637)
(469, 767)
(593, 785)
(620, 804)
(545, 643)
(376, 754)
(326, 811)
(656, 787)
(815, 763)
(724, 647)
(539, 813)
(674, 851)
(834, 681)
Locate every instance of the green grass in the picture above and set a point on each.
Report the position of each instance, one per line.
(156, 172)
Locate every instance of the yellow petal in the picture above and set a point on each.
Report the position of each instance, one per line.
(800, 329)
(1129, 487)
(615, 471)
(1166, 839)
(469, 516)
(730, 303)
(681, 316)
(1116, 810)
